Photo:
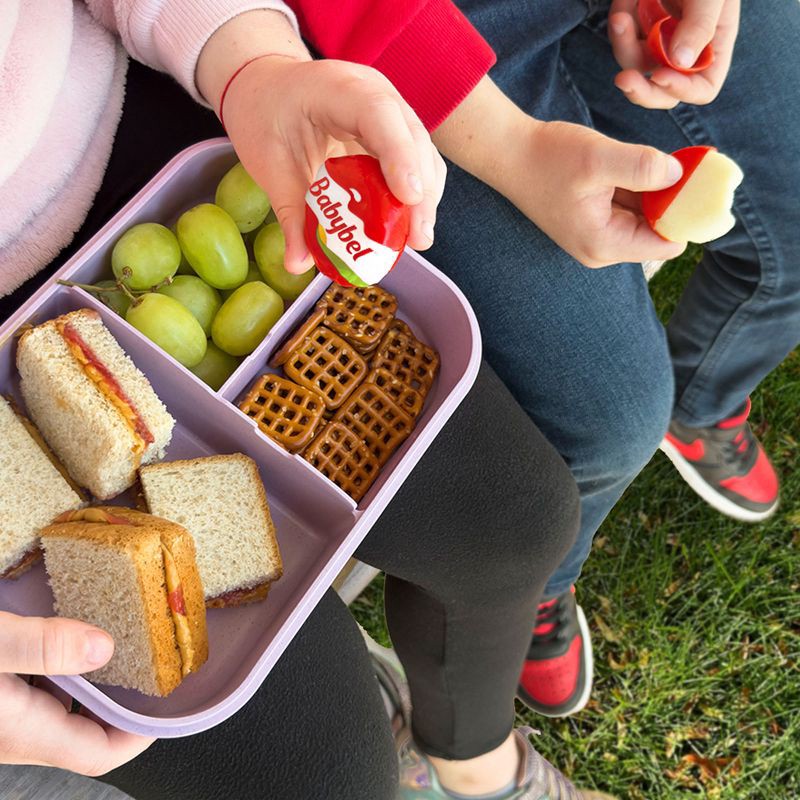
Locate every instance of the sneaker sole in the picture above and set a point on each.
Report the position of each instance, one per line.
(708, 493)
(588, 671)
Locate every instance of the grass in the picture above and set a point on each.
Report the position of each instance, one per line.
(695, 626)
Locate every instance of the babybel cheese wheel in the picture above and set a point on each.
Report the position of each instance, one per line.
(698, 207)
(355, 227)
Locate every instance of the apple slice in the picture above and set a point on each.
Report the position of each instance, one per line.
(658, 41)
(698, 207)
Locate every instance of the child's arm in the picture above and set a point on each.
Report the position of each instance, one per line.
(577, 185)
(702, 21)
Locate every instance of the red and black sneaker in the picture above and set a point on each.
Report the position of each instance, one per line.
(726, 465)
(556, 678)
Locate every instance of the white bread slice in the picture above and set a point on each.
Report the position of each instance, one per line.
(33, 491)
(84, 428)
(112, 576)
(221, 501)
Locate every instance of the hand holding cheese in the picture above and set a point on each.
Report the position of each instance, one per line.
(698, 207)
(672, 51)
(327, 108)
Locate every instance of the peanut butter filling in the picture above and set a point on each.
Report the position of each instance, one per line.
(107, 385)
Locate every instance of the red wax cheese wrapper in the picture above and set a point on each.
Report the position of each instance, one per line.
(658, 25)
(355, 227)
(658, 42)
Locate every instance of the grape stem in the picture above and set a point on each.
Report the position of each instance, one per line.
(119, 286)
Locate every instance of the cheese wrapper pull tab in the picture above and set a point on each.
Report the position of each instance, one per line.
(355, 227)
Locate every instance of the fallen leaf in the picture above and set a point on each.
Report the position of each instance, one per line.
(607, 633)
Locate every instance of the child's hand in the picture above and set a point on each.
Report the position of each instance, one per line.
(285, 117)
(35, 725)
(703, 22)
(580, 188)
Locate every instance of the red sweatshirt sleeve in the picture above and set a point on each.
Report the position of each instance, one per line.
(426, 48)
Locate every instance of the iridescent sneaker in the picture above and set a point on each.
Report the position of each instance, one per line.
(537, 779)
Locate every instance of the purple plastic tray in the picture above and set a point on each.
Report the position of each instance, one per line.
(319, 527)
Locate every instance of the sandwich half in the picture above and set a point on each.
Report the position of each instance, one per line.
(34, 491)
(135, 576)
(221, 501)
(93, 406)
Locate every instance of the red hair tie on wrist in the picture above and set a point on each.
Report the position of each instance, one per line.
(236, 75)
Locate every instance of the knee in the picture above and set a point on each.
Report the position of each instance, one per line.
(540, 506)
(628, 421)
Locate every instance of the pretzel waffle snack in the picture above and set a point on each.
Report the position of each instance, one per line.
(406, 357)
(326, 363)
(289, 414)
(341, 456)
(294, 341)
(410, 400)
(361, 315)
(376, 419)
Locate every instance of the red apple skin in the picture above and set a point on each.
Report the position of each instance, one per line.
(658, 40)
(650, 12)
(654, 204)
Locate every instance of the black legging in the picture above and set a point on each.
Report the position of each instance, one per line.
(468, 544)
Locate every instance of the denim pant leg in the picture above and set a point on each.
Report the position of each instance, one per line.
(582, 350)
(740, 313)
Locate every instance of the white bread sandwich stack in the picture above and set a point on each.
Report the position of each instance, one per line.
(93, 406)
(221, 501)
(34, 491)
(134, 576)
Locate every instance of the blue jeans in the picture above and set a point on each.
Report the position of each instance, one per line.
(583, 350)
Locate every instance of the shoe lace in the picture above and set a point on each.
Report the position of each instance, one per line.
(550, 620)
(738, 449)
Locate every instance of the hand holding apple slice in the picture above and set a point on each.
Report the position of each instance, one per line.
(698, 207)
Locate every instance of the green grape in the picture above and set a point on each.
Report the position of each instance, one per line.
(242, 198)
(216, 367)
(269, 248)
(213, 245)
(117, 301)
(245, 318)
(150, 251)
(252, 275)
(166, 322)
(197, 296)
(184, 268)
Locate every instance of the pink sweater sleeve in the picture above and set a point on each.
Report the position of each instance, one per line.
(169, 35)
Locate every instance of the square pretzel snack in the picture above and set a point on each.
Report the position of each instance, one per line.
(361, 315)
(410, 400)
(325, 363)
(287, 413)
(410, 360)
(343, 458)
(376, 419)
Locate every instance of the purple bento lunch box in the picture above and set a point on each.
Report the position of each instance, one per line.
(318, 526)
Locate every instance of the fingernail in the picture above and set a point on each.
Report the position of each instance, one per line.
(99, 647)
(674, 169)
(427, 230)
(414, 182)
(684, 57)
(618, 28)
